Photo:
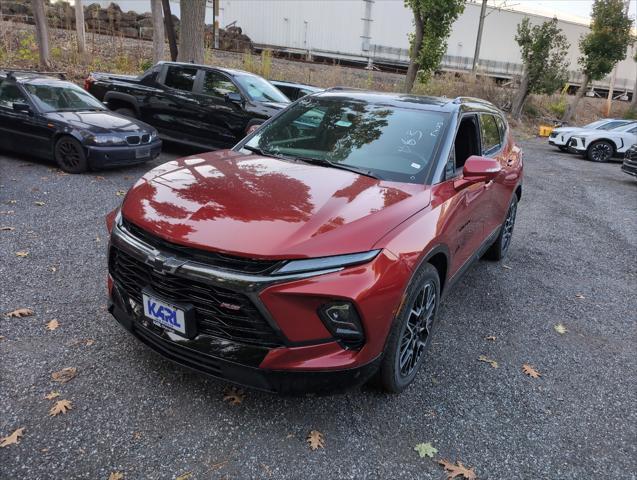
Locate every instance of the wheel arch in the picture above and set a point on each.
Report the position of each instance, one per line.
(604, 139)
(121, 100)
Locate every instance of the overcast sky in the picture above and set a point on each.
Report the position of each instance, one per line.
(578, 10)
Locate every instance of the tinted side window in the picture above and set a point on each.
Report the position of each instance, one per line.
(218, 85)
(181, 78)
(490, 134)
(10, 94)
(633, 130)
(502, 126)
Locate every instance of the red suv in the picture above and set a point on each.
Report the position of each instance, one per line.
(314, 255)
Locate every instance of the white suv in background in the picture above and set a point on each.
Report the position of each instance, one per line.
(601, 145)
(560, 136)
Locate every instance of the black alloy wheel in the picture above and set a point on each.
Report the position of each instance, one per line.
(70, 156)
(600, 151)
(500, 246)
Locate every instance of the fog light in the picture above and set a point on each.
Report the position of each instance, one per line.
(343, 322)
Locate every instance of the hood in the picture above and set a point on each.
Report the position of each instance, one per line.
(103, 121)
(566, 129)
(275, 105)
(263, 207)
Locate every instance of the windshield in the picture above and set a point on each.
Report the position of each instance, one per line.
(389, 142)
(613, 125)
(595, 124)
(59, 97)
(260, 90)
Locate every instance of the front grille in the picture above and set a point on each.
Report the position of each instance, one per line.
(631, 155)
(133, 139)
(219, 260)
(220, 312)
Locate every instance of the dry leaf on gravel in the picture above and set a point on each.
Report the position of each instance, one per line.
(426, 450)
(7, 229)
(20, 312)
(120, 193)
(233, 395)
(493, 338)
(483, 358)
(184, 476)
(316, 440)
(560, 328)
(39, 204)
(12, 439)
(52, 395)
(22, 254)
(61, 406)
(457, 471)
(12, 202)
(53, 268)
(116, 476)
(530, 371)
(580, 296)
(64, 375)
(52, 325)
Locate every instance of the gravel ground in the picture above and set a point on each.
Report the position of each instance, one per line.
(572, 261)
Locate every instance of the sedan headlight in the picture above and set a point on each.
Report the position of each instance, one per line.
(107, 140)
(153, 135)
(326, 263)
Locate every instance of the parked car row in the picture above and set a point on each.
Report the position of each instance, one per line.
(314, 251)
(598, 141)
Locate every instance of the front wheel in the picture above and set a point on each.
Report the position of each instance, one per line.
(600, 151)
(412, 331)
(70, 156)
(500, 247)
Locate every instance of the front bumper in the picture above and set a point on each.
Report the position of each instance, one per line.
(307, 358)
(576, 145)
(630, 168)
(120, 155)
(235, 362)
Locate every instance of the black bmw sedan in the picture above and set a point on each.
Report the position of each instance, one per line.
(55, 119)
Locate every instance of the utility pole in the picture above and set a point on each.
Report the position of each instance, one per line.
(476, 55)
(215, 22)
(170, 30)
(79, 26)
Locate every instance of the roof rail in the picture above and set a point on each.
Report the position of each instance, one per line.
(12, 71)
(470, 99)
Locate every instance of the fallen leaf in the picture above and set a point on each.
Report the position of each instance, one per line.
(99, 177)
(1, 337)
(52, 395)
(483, 358)
(493, 338)
(116, 476)
(560, 328)
(127, 177)
(120, 193)
(7, 212)
(184, 476)
(53, 268)
(22, 254)
(39, 204)
(426, 449)
(12, 202)
(7, 229)
(12, 439)
(233, 395)
(459, 470)
(52, 325)
(580, 296)
(137, 435)
(64, 375)
(530, 371)
(316, 440)
(20, 312)
(61, 406)
(89, 341)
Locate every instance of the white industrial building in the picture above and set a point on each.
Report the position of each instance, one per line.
(376, 32)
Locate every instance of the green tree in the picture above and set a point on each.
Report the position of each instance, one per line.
(603, 46)
(432, 21)
(544, 48)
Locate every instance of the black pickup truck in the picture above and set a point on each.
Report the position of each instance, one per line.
(197, 105)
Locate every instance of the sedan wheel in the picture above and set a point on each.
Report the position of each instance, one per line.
(600, 152)
(70, 156)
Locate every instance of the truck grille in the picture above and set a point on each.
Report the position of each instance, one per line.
(220, 312)
(219, 260)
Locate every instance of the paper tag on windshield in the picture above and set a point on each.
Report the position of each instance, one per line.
(415, 165)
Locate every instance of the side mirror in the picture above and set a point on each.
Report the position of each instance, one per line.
(234, 97)
(22, 107)
(480, 169)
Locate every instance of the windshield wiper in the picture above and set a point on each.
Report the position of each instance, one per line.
(258, 151)
(327, 163)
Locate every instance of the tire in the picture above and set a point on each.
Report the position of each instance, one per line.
(127, 112)
(399, 367)
(600, 151)
(500, 247)
(70, 155)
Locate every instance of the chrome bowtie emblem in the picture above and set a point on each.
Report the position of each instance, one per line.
(162, 264)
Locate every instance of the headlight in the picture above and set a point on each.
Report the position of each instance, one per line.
(107, 140)
(153, 135)
(326, 263)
